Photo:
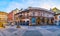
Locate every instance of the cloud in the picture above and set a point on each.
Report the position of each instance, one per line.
(41, 3)
(13, 5)
(47, 4)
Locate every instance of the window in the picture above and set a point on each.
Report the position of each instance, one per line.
(55, 17)
(59, 16)
(33, 13)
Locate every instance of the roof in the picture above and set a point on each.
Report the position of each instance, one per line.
(56, 10)
(3, 13)
(40, 9)
(37, 8)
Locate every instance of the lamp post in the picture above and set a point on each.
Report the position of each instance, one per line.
(18, 22)
(19, 18)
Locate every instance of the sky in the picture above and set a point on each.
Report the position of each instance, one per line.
(9, 5)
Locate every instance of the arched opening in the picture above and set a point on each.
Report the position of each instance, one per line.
(27, 22)
(20, 22)
(43, 20)
(47, 21)
(23, 23)
(33, 20)
(52, 21)
(38, 21)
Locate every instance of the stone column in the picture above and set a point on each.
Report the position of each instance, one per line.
(49, 21)
(30, 21)
(41, 21)
(45, 20)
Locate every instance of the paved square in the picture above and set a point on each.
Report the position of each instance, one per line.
(31, 31)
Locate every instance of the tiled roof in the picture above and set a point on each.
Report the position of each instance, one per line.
(41, 9)
(35, 8)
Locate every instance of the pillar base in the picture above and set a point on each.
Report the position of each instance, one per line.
(30, 24)
(18, 27)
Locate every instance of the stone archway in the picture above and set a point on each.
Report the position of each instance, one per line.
(38, 21)
(33, 20)
(27, 21)
(52, 21)
(43, 21)
(47, 21)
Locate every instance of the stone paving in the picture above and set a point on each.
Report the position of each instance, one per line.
(31, 31)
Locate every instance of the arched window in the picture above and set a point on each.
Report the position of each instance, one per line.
(33, 14)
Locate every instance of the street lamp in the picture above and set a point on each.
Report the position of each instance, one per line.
(18, 22)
